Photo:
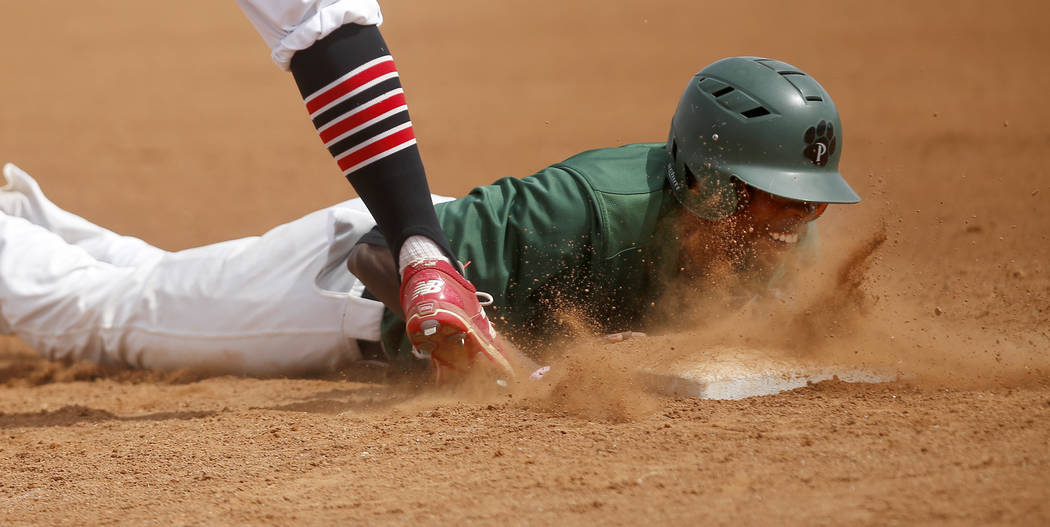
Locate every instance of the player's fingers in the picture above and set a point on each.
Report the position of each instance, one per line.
(539, 373)
(622, 336)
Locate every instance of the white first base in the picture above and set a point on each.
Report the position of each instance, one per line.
(733, 373)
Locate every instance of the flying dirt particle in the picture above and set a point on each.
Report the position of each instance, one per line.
(1006, 124)
(1035, 192)
(938, 311)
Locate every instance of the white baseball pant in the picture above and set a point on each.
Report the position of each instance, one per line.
(288, 26)
(278, 304)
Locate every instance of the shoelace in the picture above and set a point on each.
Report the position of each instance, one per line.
(486, 299)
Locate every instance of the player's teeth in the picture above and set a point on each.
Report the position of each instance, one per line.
(786, 238)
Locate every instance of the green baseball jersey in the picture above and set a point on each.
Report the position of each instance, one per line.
(595, 236)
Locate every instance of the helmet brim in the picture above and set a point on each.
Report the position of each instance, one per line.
(817, 187)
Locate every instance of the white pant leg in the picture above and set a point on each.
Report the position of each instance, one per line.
(279, 304)
(21, 197)
(288, 26)
(256, 306)
(51, 288)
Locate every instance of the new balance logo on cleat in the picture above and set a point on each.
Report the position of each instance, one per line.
(428, 287)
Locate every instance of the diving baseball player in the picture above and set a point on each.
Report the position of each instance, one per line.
(353, 95)
(751, 161)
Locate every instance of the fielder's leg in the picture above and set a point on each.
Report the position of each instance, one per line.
(354, 97)
(352, 92)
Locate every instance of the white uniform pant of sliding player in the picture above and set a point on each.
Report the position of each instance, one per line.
(288, 26)
(280, 303)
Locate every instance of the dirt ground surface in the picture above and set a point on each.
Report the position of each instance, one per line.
(168, 121)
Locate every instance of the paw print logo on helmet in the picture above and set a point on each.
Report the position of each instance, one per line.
(820, 143)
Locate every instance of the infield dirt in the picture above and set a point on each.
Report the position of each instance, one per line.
(169, 122)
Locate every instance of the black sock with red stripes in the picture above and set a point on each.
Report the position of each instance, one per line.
(354, 97)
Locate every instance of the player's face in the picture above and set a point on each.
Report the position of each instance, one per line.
(764, 228)
(773, 222)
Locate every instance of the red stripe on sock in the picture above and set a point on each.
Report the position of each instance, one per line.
(361, 116)
(387, 143)
(350, 85)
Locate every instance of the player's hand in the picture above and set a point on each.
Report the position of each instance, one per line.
(613, 338)
(374, 266)
(525, 366)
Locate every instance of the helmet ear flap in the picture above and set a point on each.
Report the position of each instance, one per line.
(689, 179)
(721, 194)
(706, 195)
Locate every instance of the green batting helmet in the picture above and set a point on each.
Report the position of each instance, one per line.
(760, 121)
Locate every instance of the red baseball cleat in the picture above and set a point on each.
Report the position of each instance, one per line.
(447, 324)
